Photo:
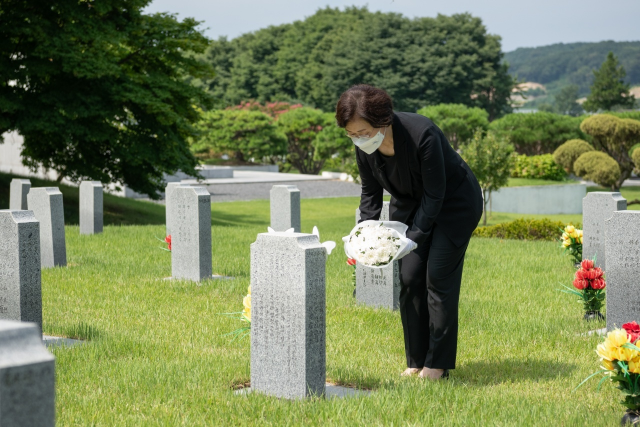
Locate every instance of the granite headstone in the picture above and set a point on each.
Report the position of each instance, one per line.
(18, 194)
(91, 207)
(623, 268)
(285, 207)
(27, 377)
(288, 315)
(20, 280)
(168, 191)
(384, 213)
(46, 204)
(596, 208)
(190, 233)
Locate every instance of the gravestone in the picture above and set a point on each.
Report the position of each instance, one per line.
(27, 377)
(384, 213)
(288, 315)
(168, 191)
(596, 208)
(285, 207)
(20, 281)
(623, 268)
(378, 287)
(18, 194)
(91, 207)
(46, 204)
(190, 233)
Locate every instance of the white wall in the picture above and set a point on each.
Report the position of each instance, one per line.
(11, 161)
(540, 199)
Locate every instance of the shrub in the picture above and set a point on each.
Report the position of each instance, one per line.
(523, 229)
(598, 167)
(567, 154)
(457, 121)
(635, 156)
(539, 167)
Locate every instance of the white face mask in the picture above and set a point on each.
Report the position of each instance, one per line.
(369, 145)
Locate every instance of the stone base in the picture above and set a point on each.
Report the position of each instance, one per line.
(50, 341)
(331, 392)
(600, 332)
(213, 277)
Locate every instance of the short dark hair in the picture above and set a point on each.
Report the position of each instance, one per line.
(370, 103)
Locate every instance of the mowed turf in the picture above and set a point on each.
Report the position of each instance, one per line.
(158, 354)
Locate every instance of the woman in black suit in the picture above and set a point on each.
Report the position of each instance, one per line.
(435, 193)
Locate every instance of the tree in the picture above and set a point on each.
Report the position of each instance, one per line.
(491, 159)
(609, 89)
(598, 167)
(245, 133)
(301, 126)
(333, 142)
(615, 137)
(457, 121)
(423, 61)
(565, 101)
(537, 133)
(98, 90)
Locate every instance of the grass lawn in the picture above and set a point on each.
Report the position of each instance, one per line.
(158, 354)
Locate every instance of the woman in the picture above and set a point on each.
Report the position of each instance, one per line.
(434, 192)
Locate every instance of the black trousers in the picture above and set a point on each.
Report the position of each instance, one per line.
(429, 297)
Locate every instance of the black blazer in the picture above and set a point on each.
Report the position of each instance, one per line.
(444, 191)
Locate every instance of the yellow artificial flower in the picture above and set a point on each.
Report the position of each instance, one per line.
(611, 349)
(634, 366)
(579, 233)
(566, 243)
(608, 365)
(247, 305)
(565, 236)
(569, 229)
(574, 235)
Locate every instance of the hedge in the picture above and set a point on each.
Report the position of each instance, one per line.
(538, 167)
(524, 229)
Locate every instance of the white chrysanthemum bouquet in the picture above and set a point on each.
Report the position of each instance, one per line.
(378, 243)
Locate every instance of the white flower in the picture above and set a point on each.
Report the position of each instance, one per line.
(374, 244)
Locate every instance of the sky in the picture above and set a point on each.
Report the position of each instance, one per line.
(520, 24)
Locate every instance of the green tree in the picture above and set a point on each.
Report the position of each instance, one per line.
(615, 137)
(609, 89)
(98, 90)
(423, 61)
(491, 159)
(332, 142)
(457, 121)
(247, 134)
(565, 102)
(301, 126)
(537, 133)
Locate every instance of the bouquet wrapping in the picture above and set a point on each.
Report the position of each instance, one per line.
(378, 243)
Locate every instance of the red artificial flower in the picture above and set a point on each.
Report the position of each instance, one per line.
(351, 261)
(599, 272)
(580, 274)
(598, 284)
(633, 330)
(580, 284)
(168, 240)
(587, 264)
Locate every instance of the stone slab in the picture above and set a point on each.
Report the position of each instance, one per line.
(46, 204)
(623, 268)
(378, 287)
(27, 377)
(597, 207)
(285, 207)
(331, 392)
(190, 234)
(51, 341)
(168, 191)
(288, 315)
(19, 189)
(91, 207)
(20, 271)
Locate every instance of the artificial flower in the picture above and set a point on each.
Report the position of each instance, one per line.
(351, 261)
(633, 330)
(580, 284)
(168, 241)
(587, 264)
(569, 229)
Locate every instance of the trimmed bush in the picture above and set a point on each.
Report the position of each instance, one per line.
(598, 167)
(567, 154)
(635, 156)
(538, 167)
(523, 229)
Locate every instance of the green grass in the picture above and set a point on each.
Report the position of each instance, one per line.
(158, 354)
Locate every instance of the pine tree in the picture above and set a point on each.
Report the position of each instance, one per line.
(609, 89)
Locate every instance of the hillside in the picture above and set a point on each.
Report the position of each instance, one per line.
(559, 65)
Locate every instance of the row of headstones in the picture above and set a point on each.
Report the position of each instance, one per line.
(611, 235)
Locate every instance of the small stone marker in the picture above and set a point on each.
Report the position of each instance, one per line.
(46, 204)
(27, 377)
(288, 315)
(623, 268)
(168, 191)
(285, 207)
(20, 281)
(596, 208)
(91, 207)
(190, 233)
(378, 287)
(18, 196)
